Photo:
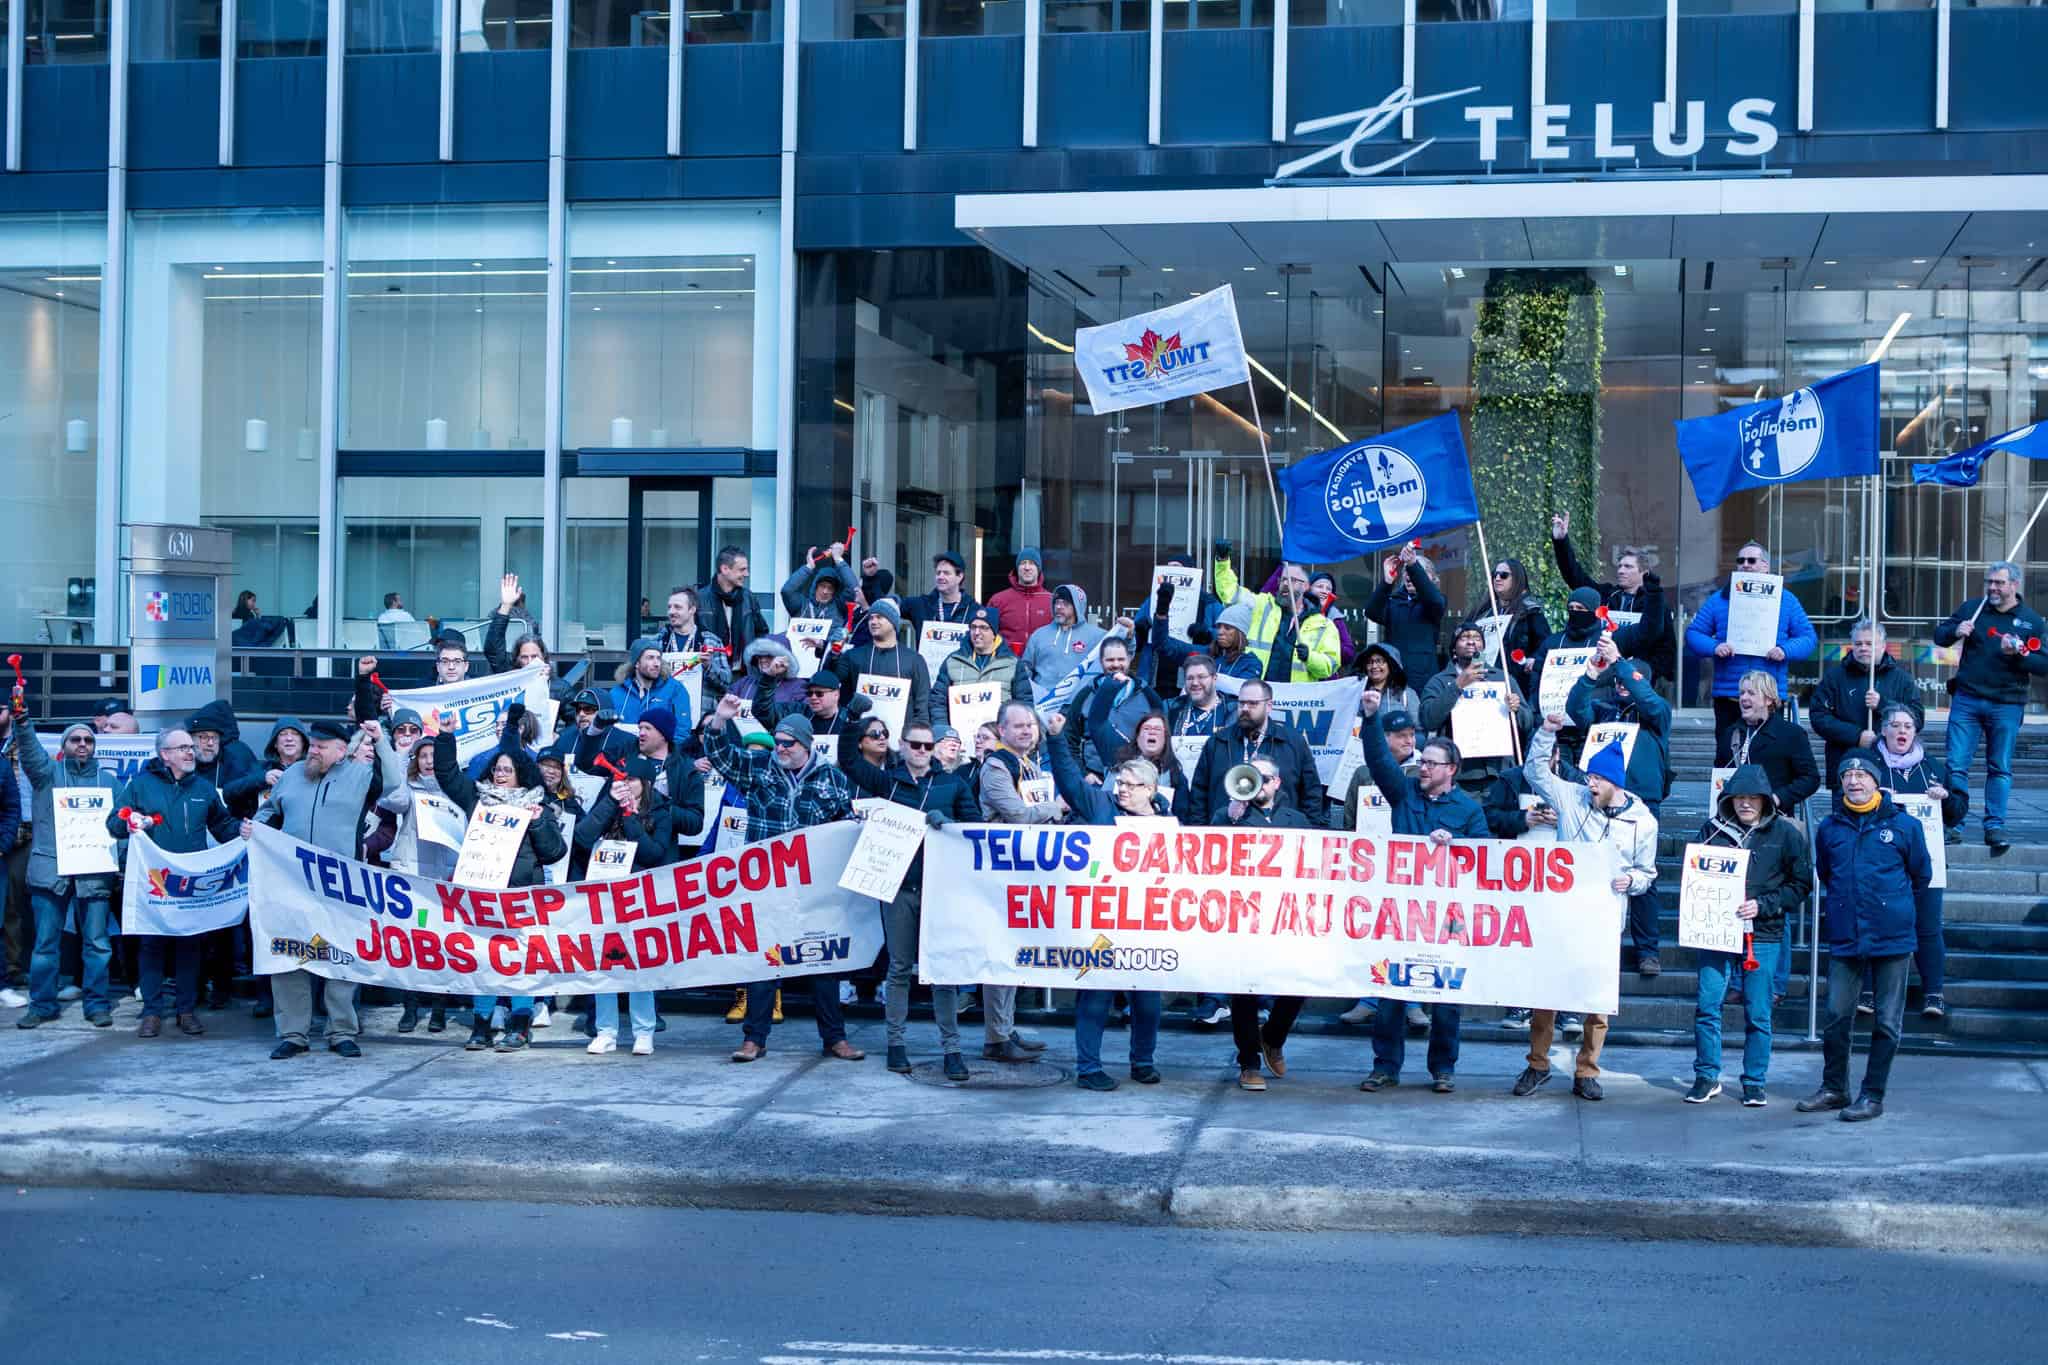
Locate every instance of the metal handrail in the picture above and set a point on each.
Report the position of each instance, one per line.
(1812, 900)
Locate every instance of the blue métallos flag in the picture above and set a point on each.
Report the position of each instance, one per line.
(1964, 468)
(1379, 492)
(1827, 430)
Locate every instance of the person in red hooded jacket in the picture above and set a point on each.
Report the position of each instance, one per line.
(1026, 604)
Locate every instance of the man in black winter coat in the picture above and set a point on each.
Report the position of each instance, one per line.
(1409, 609)
(1634, 601)
(1256, 736)
(1847, 709)
(726, 608)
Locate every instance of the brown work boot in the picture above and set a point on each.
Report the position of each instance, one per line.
(845, 1051)
(150, 1026)
(1250, 1079)
(1275, 1062)
(749, 1051)
(189, 1025)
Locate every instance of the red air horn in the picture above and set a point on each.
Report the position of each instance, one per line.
(19, 703)
(137, 819)
(2032, 645)
(1749, 962)
(1606, 623)
(614, 769)
(379, 683)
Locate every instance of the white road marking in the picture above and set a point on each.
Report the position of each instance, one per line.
(575, 1336)
(491, 1322)
(893, 1353)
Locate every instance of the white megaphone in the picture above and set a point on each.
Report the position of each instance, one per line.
(1243, 782)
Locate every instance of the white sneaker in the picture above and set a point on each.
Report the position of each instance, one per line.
(12, 998)
(138, 993)
(605, 1041)
(1358, 1014)
(847, 994)
(541, 1015)
(643, 1045)
(69, 993)
(1214, 1017)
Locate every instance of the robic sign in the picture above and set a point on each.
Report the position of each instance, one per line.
(1748, 122)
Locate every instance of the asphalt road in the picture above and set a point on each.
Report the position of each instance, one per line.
(141, 1277)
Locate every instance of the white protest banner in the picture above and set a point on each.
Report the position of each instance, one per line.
(1481, 723)
(118, 756)
(490, 845)
(1172, 352)
(938, 642)
(438, 820)
(969, 706)
(889, 700)
(770, 909)
(1718, 779)
(1187, 596)
(687, 668)
(1754, 600)
(1375, 816)
(1325, 713)
(182, 894)
(84, 848)
(1350, 762)
(1927, 811)
(1282, 912)
(1608, 732)
(1711, 890)
(1561, 668)
(469, 710)
(1187, 751)
(890, 838)
(1537, 834)
(807, 638)
(611, 858)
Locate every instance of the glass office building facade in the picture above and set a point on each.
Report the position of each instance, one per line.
(412, 294)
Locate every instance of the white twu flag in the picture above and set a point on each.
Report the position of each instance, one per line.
(1172, 352)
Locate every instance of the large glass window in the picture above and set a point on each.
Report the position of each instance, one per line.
(439, 543)
(624, 23)
(223, 404)
(1324, 13)
(1097, 16)
(825, 20)
(662, 348)
(446, 329)
(399, 25)
(732, 21)
(49, 440)
(175, 31)
(281, 28)
(64, 30)
(502, 25)
(970, 18)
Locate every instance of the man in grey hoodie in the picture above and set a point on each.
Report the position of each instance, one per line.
(320, 800)
(57, 899)
(1057, 649)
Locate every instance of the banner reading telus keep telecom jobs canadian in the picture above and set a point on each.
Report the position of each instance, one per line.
(765, 910)
(1280, 912)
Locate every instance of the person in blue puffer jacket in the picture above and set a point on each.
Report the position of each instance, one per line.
(1706, 637)
(1873, 864)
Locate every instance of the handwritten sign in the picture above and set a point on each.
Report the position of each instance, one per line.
(1481, 722)
(1598, 737)
(1927, 811)
(890, 838)
(972, 705)
(937, 642)
(84, 848)
(889, 699)
(1710, 892)
(1753, 603)
(490, 845)
(1561, 668)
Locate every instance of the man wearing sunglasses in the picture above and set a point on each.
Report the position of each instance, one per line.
(786, 789)
(1707, 638)
(920, 783)
(1992, 680)
(56, 899)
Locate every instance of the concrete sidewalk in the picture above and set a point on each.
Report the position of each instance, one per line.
(1960, 1159)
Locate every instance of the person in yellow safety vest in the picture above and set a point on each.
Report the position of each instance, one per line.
(1289, 635)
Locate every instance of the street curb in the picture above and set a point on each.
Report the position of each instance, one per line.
(1867, 1224)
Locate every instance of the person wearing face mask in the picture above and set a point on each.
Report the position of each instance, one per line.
(1582, 630)
(1762, 736)
(1133, 790)
(320, 800)
(1256, 735)
(1408, 606)
(1706, 637)
(681, 634)
(1907, 772)
(1524, 627)
(1873, 863)
(1779, 879)
(1992, 682)
(1853, 694)
(1428, 805)
(1635, 590)
(1287, 633)
(1598, 810)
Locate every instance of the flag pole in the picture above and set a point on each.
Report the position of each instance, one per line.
(1251, 385)
(1500, 647)
(2019, 540)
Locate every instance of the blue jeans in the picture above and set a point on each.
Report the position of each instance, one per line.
(482, 1005)
(1091, 1013)
(1716, 970)
(824, 1004)
(51, 911)
(184, 950)
(639, 1007)
(1998, 724)
(1390, 1037)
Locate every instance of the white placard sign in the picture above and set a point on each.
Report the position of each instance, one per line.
(1536, 834)
(1037, 791)
(970, 706)
(889, 701)
(732, 826)
(1481, 723)
(1710, 892)
(1622, 620)
(890, 838)
(490, 845)
(825, 749)
(1718, 779)
(1375, 816)
(937, 642)
(1187, 596)
(438, 820)
(1608, 732)
(1754, 600)
(807, 639)
(1494, 627)
(84, 848)
(714, 796)
(1561, 668)
(687, 669)
(1187, 751)
(1927, 811)
(611, 858)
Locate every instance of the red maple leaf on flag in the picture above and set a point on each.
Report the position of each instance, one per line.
(1149, 347)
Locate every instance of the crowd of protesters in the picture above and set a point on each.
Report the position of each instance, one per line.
(1096, 719)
